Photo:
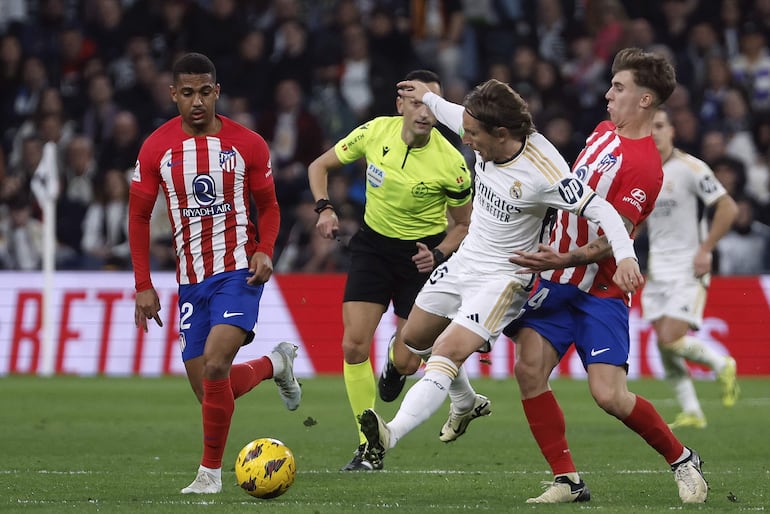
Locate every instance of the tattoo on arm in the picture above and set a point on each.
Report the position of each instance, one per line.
(592, 252)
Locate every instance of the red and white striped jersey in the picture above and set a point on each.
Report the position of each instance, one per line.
(206, 181)
(628, 173)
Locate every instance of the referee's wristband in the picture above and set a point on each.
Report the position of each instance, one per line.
(438, 256)
(323, 204)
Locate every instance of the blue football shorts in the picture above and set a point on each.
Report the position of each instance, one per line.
(564, 315)
(224, 298)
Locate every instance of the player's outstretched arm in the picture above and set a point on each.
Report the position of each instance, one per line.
(447, 113)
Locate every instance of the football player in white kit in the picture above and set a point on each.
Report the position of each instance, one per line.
(679, 269)
(520, 180)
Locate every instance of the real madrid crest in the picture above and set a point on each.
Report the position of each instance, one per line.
(515, 190)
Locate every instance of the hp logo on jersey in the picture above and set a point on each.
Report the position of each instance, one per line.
(571, 190)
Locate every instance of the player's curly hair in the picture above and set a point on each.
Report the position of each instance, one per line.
(495, 104)
(195, 64)
(651, 71)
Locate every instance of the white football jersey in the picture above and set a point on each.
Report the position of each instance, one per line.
(513, 201)
(677, 225)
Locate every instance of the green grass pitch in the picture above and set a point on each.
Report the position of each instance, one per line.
(70, 444)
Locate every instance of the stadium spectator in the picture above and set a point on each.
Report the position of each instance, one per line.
(751, 67)
(138, 97)
(744, 249)
(11, 63)
(221, 268)
(105, 225)
(295, 139)
(77, 193)
(729, 21)
(718, 81)
(250, 76)
(292, 56)
(326, 102)
(680, 266)
(21, 237)
(437, 30)
(121, 148)
(415, 180)
(99, 116)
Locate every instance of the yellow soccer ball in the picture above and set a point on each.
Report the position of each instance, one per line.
(265, 468)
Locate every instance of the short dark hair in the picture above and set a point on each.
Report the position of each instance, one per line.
(650, 70)
(195, 64)
(496, 104)
(425, 76)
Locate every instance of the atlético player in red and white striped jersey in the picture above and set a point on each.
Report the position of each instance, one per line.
(578, 303)
(209, 167)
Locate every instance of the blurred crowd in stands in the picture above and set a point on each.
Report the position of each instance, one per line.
(93, 77)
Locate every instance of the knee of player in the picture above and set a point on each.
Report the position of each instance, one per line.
(407, 364)
(608, 401)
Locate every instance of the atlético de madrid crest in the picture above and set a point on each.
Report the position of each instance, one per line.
(227, 160)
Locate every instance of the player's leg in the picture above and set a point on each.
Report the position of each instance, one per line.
(542, 334)
(360, 321)
(217, 405)
(695, 350)
(669, 330)
(402, 362)
(609, 389)
(424, 398)
(535, 359)
(607, 380)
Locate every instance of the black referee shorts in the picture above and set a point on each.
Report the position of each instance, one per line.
(381, 270)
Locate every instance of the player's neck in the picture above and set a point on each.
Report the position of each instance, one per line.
(209, 129)
(666, 154)
(635, 129)
(508, 151)
(416, 140)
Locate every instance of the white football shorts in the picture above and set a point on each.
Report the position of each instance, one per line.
(682, 299)
(481, 302)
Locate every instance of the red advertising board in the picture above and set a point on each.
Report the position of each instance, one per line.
(92, 330)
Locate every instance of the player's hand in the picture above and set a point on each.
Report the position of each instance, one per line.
(702, 263)
(412, 89)
(147, 307)
(545, 258)
(627, 276)
(328, 224)
(424, 259)
(261, 269)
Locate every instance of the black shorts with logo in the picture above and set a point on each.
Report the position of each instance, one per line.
(381, 270)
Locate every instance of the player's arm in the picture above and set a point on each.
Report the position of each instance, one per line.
(318, 173)
(447, 113)
(616, 242)
(147, 305)
(724, 215)
(269, 221)
(547, 258)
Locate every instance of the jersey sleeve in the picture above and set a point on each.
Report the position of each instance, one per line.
(262, 189)
(707, 187)
(458, 188)
(144, 190)
(573, 195)
(637, 189)
(353, 146)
